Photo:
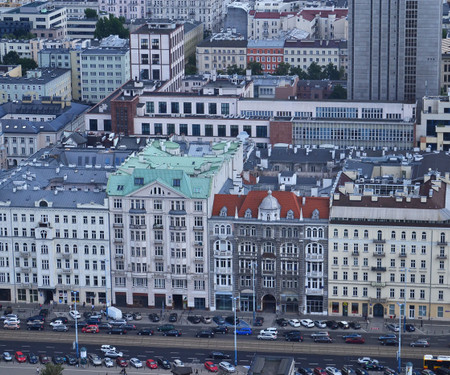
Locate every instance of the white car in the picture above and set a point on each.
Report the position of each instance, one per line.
(178, 363)
(74, 314)
(272, 330)
(108, 362)
(320, 323)
(107, 348)
(57, 323)
(267, 336)
(227, 367)
(332, 371)
(364, 360)
(294, 323)
(308, 323)
(12, 320)
(113, 354)
(136, 362)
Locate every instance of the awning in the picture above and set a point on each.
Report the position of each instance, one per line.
(182, 371)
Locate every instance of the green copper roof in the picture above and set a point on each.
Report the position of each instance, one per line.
(191, 176)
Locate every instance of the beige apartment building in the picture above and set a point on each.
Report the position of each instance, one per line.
(220, 54)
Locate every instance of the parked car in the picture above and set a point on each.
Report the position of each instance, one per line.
(44, 359)
(145, 332)
(320, 334)
(218, 355)
(305, 371)
(219, 320)
(361, 371)
(137, 316)
(173, 317)
(421, 342)
(163, 363)
(320, 323)
(128, 316)
(94, 359)
(36, 317)
(343, 324)
(220, 329)
(227, 367)
(269, 330)
(319, 371)
(93, 328)
(118, 322)
(151, 364)
(230, 320)
(410, 327)
(373, 366)
(282, 322)
(136, 362)
(194, 319)
(332, 371)
(166, 327)
(121, 362)
(355, 325)
(172, 332)
(393, 327)
(20, 357)
(63, 319)
(308, 323)
(107, 348)
(58, 359)
(108, 362)
(74, 314)
(347, 370)
(211, 367)
(104, 326)
(205, 333)
(92, 320)
(12, 326)
(259, 321)
(323, 339)
(70, 359)
(295, 323)
(243, 331)
(293, 336)
(154, 317)
(178, 363)
(128, 327)
(61, 328)
(332, 324)
(113, 354)
(389, 371)
(32, 358)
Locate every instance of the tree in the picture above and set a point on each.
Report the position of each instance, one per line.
(338, 93)
(330, 71)
(255, 67)
(299, 72)
(191, 65)
(11, 58)
(52, 369)
(27, 64)
(282, 69)
(90, 13)
(111, 26)
(234, 69)
(444, 33)
(314, 71)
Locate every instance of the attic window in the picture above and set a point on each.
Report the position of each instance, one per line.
(176, 182)
(137, 181)
(315, 214)
(290, 215)
(119, 187)
(248, 213)
(223, 211)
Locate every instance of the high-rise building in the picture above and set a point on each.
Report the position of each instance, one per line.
(394, 49)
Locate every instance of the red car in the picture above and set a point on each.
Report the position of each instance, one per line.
(151, 363)
(355, 340)
(20, 357)
(211, 367)
(93, 328)
(320, 371)
(122, 362)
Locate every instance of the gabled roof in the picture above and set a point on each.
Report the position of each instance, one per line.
(287, 200)
(271, 15)
(310, 14)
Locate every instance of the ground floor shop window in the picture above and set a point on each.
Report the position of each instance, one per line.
(355, 308)
(22, 294)
(335, 307)
(223, 302)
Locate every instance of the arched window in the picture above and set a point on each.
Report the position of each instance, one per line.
(102, 250)
(94, 250)
(253, 231)
(345, 233)
(229, 229)
(43, 204)
(314, 232)
(335, 233)
(222, 245)
(86, 249)
(242, 231)
(33, 247)
(290, 215)
(414, 236)
(222, 229)
(308, 232)
(355, 233)
(379, 235)
(44, 249)
(442, 237)
(314, 248)
(268, 247)
(248, 213)
(289, 248)
(424, 236)
(75, 249)
(216, 229)
(366, 233)
(320, 234)
(25, 247)
(16, 246)
(393, 235)
(223, 211)
(43, 234)
(66, 249)
(268, 232)
(58, 248)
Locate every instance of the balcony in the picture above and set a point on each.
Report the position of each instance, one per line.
(67, 270)
(25, 254)
(318, 257)
(223, 252)
(441, 256)
(198, 227)
(177, 227)
(198, 243)
(138, 226)
(158, 226)
(25, 268)
(377, 284)
(118, 256)
(442, 243)
(118, 240)
(402, 255)
(66, 255)
(117, 225)
(314, 292)
(379, 240)
(379, 269)
(355, 253)
(223, 270)
(379, 254)
(44, 224)
(314, 274)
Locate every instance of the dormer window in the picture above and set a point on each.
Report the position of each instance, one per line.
(223, 211)
(315, 214)
(290, 215)
(248, 213)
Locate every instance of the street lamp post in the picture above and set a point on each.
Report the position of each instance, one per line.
(106, 286)
(254, 265)
(399, 353)
(76, 323)
(235, 329)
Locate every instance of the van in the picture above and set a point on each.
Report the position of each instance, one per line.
(243, 331)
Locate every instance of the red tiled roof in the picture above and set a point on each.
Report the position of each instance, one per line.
(286, 199)
(310, 14)
(252, 12)
(272, 15)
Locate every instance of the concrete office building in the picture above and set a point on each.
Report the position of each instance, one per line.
(394, 49)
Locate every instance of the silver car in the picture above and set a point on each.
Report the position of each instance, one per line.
(95, 359)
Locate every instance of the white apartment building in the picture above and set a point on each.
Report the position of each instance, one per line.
(160, 201)
(210, 12)
(218, 55)
(388, 244)
(157, 53)
(129, 9)
(53, 236)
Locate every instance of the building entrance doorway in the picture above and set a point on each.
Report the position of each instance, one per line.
(269, 303)
(177, 301)
(378, 310)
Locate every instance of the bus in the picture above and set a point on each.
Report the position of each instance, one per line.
(433, 362)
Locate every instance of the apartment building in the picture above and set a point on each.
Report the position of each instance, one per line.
(157, 53)
(269, 25)
(160, 201)
(129, 9)
(433, 131)
(54, 236)
(209, 12)
(271, 246)
(388, 249)
(29, 125)
(324, 22)
(219, 55)
(269, 53)
(42, 15)
(301, 53)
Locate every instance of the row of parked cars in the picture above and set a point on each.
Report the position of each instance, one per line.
(309, 323)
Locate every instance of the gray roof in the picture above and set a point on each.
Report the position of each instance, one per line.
(48, 75)
(105, 51)
(63, 116)
(284, 155)
(435, 161)
(224, 43)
